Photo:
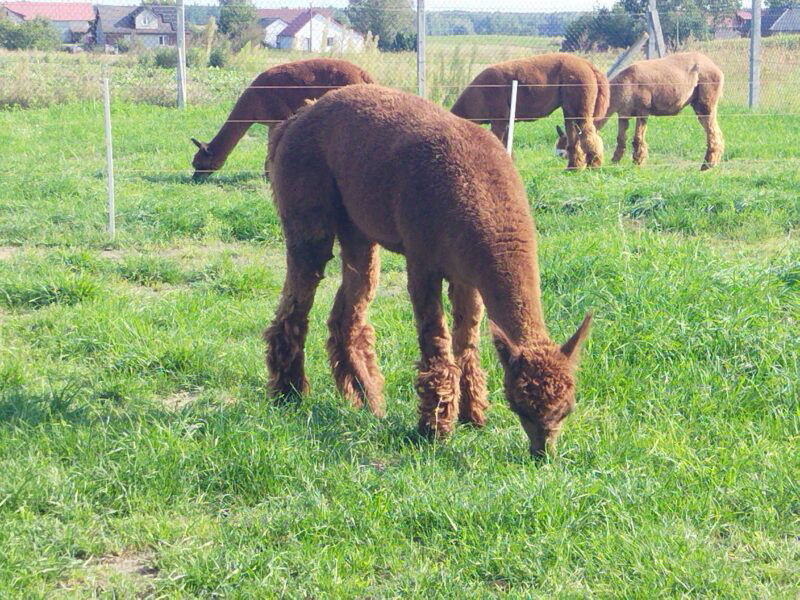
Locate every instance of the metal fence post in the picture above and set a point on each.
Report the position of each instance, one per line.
(755, 54)
(512, 115)
(112, 226)
(655, 46)
(421, 47)
(181, 71)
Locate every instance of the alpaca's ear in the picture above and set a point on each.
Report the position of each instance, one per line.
(508, 350)
(198, 144)
(203, 147)
(572, 348)
(560, 131)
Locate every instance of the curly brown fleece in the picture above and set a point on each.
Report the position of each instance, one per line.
(373, 166)
(272, 97)
(546, 82)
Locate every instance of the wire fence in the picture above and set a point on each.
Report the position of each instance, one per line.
(134, 47)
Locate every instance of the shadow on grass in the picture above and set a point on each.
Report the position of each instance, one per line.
(215, 179)
(18, 406)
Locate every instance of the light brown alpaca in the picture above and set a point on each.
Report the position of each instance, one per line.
(546, 82)
(373, 166)
(665, 86)
(272, 97)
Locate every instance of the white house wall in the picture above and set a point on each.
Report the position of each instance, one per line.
(318, 30)
(271, 32)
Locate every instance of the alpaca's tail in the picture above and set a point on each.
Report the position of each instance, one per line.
(603, 94)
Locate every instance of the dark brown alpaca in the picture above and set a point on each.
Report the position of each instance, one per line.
(273, 96)
(665, 86)
(373, 166)
(546, 82)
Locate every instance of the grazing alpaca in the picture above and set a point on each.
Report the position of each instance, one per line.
(664, 86)
(546, 82)
(373, 166)
(272, 97)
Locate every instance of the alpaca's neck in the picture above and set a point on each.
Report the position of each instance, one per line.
(238, 122)
(513, 300)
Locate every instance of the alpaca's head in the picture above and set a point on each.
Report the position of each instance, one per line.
(203, 162)
(540, 384)
(560, 149)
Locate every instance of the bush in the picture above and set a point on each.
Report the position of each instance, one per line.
(219, 57)
(166, 58)
(36, 34)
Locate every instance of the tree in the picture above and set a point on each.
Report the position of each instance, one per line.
(235, 16)
(36, 34)
(384, 18)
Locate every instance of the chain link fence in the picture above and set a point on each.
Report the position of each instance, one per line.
(228, 46)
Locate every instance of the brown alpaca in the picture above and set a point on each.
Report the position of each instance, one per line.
(373, 166)
(665, 86)
(272, 97)
(546, 82)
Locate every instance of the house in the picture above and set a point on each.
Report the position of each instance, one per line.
(152, 26)
(788, 22)
(742, 20)
(311, 30)
(71, 19)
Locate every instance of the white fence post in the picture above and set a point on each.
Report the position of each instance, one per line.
(512, 113)
(755, 54)
(181, 72)
(112, 226)
(421, 47)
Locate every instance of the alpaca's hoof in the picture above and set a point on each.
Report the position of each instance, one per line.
(434, 430)
(283, 393)
(474, 418)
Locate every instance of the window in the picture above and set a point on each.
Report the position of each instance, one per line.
(162, 40)
(308, 43)
(330, 42)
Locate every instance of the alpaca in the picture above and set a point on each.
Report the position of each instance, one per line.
(373, 167)
(272, 97)
(660, 87)
(546, 82)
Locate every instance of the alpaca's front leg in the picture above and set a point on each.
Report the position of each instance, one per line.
(286, 336)
(439, 381)
(467, 314)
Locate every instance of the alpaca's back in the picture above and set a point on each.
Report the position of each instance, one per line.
(404, 172)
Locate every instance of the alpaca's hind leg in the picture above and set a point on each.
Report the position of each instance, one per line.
(639, 143)
(439, 381)
(622, 139)
(467, 313)
(351, 345)
(715, 143)
(592, 144)
(500, 129)
(285, 337)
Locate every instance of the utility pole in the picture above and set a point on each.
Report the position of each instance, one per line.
(181, 72)
(755, 54)
(421, 47)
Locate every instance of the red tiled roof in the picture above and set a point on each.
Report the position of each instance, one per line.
(55, 11)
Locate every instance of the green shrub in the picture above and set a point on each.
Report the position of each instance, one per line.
(219, 57)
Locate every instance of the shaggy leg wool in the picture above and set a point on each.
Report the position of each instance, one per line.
(439, 388)
(473, 389)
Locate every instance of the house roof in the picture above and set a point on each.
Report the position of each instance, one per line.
(55, 11)
(288, 14)
(297, 24)
(122, 19)
(787, 22)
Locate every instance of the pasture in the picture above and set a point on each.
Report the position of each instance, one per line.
(140, 455)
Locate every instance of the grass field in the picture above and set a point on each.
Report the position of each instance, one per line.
(140, 455)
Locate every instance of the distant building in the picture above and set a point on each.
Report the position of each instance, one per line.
(313, 30)
(773, 20)
(71, 19)
(152, 26)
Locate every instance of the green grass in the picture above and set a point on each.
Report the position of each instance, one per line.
(140, 454)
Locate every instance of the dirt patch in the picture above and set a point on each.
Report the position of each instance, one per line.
(179, 400)
(112, 254)
(128, 573)
(7, 252)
